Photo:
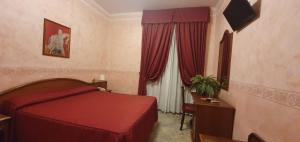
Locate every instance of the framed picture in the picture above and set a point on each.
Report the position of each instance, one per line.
(56, 41)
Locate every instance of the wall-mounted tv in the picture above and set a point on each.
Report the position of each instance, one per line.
(239, 13)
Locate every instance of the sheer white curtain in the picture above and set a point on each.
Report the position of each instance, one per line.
(167, 89)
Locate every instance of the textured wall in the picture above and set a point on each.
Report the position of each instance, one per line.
(124, 53)
(21, 37)
(265, 81)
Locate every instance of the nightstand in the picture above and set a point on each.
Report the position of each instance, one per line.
(4, 128)
(101, 83)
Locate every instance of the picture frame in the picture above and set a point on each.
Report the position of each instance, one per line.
(56, 39)
(224, 62)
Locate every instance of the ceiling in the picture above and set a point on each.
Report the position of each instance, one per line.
(126, 6)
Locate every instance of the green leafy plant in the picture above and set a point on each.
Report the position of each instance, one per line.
(206, 85)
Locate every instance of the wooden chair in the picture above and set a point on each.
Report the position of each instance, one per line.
(186, 107)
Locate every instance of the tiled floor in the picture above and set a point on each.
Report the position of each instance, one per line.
(167, 129)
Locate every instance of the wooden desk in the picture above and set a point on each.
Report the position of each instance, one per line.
(208, 138)
(215, 119)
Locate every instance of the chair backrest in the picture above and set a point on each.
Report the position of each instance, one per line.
(182, 95)
(254, 138)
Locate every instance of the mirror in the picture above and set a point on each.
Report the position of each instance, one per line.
(225, 59)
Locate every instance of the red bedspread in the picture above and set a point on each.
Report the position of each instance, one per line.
(82, 115)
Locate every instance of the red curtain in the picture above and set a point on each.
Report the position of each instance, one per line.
(191, 46)
(191, 30)
(156, 42)
(193, 14)
(157, 16)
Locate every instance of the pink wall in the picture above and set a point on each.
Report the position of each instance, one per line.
(21, 37)
(123, 53)
(265, 81)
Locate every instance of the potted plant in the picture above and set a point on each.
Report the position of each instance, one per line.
(206, 86)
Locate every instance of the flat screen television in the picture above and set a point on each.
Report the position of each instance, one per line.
(239, 13)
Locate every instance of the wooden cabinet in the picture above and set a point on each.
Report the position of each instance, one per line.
(215, 119)
(4, 128)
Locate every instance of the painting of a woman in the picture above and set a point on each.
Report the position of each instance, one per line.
(56, 39)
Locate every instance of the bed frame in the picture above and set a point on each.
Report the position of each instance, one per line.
(41, 86)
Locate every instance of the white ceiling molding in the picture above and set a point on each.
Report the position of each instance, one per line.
(127, 16)
(138, 15)
(218, 8)
(127, 6)
(120, 16)
(95, 6)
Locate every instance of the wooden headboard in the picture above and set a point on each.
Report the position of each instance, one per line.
(42, 86)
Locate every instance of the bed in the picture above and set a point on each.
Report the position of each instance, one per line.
(68, 110)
